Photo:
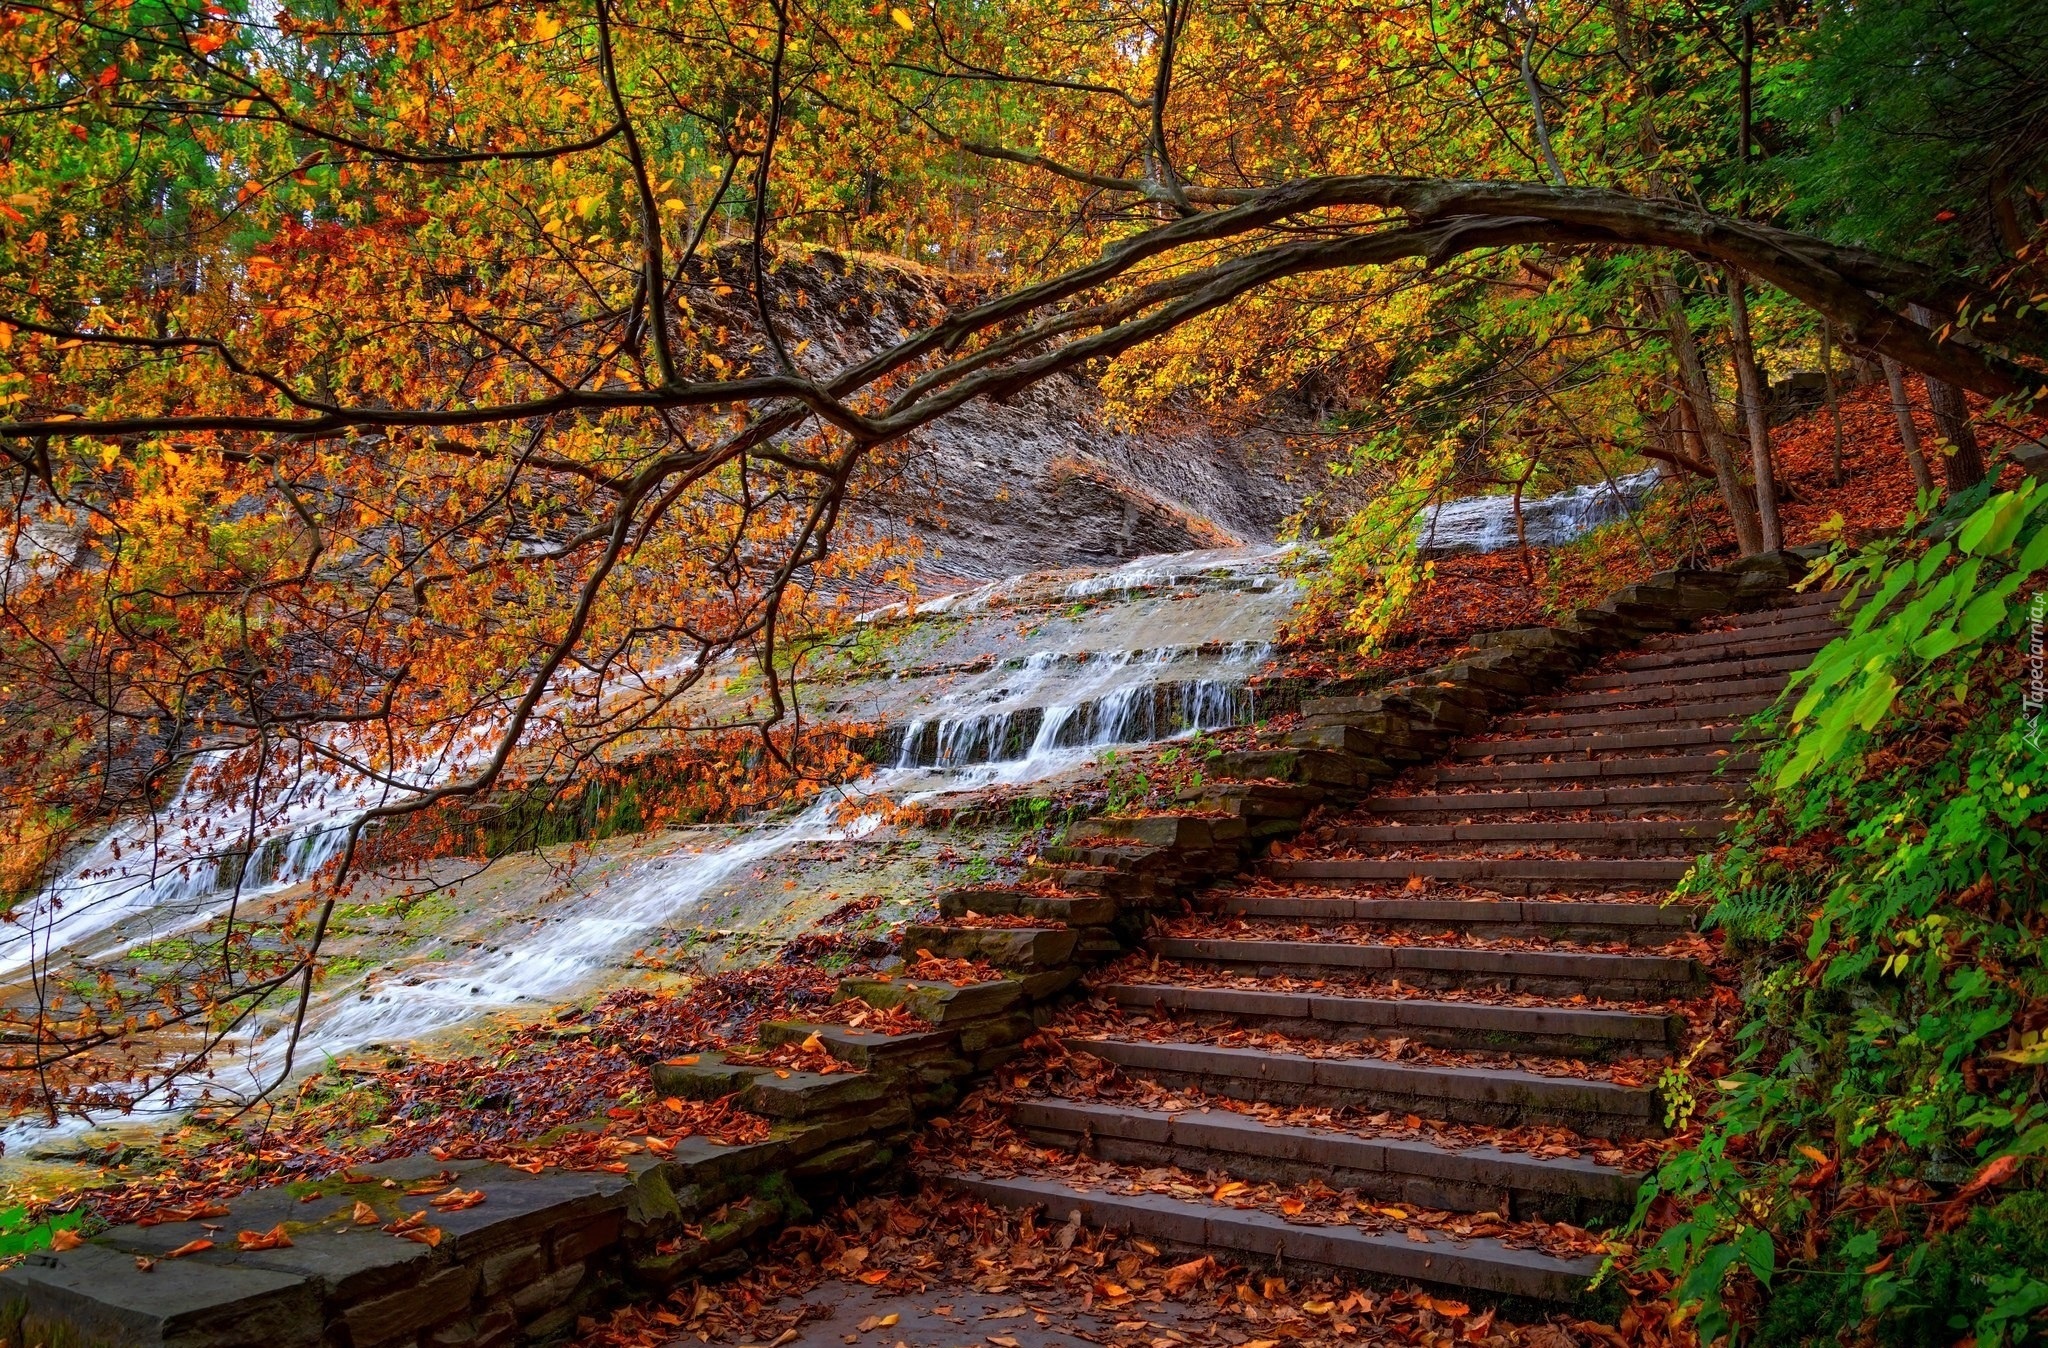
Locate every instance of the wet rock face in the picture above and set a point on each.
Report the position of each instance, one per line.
(1042, 482)
(1039, 480)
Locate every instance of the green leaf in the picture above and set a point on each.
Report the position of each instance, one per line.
(1760, 1253)
(1937, 643)
(1874, 702)
(1984, 612)
(1991, 529)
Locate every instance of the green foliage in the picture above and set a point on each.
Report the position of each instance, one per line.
(21, 1234)
(1888, 885)
(1912, 123)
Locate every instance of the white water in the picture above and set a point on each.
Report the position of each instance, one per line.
(1031, 717)
(169, 872)
(1487, 523)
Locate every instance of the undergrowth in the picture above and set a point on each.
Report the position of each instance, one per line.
(1871, 1171)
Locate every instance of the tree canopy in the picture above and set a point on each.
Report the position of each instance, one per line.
(426, 394)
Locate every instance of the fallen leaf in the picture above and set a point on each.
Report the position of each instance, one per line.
(65, 1239)
(425, 1235)
(364, 1214)
(189, 1247)
(1995, 1172)
(273, 1239)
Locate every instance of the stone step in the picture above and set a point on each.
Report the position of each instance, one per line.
(1680, 675)
(1582, 837)
(1501, 1097)
(1480, 1264)
(1731, 768)
(1661, 694)
(1617, 798)
(1676, 714)
(1500, 875)
(1553, 1031)
(1545, 919)
(1076, 910)
(1824, 602)
(1541, 972)
(1533, 744)
(1803, 634)
(1413, 1171)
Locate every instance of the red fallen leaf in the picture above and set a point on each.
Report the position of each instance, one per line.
(1995, 1172)
(425, 1235)
(661, 1146)
(65, 1239)
(273, 1239)
(874, 1275)
(1881, 1265)
(189, 1247)
(455, 1200)
(529, 1167)
(144, 1264)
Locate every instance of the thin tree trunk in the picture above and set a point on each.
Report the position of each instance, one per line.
(1909, 436)
(1751, 382)
(1713, 437)
(1962, 463)
(1534, 88)
(1827, 369)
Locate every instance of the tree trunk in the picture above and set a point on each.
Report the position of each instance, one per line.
(1909, 437)
(1962, 463)
(1827, 370)
(1751, 382)
(1699, 393)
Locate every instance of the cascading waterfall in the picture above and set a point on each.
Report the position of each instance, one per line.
(1027, 720)
(1487, 523)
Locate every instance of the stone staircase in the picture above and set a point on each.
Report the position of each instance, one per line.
(1478, 952)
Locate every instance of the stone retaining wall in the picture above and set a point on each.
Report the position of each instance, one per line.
(542, 1250)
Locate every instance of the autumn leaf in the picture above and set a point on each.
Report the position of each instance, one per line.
(65, 1238)
(189, 1247)
(1994, 1173)
(364, 1214)
(901, 18)
(273, 1239)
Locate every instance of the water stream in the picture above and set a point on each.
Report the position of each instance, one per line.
(1051, 671)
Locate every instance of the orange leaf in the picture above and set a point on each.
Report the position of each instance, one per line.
(66, 1239)
(364, 1214)
(189, 1247)
(874, 1275)
(273, 1239)
(425, 1235)
(1995, 1172)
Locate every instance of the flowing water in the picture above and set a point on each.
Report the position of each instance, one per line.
(1012, 683)
(1487, 523)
